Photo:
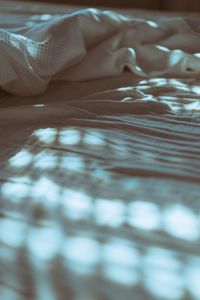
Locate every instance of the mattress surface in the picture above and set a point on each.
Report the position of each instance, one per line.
(99, 192)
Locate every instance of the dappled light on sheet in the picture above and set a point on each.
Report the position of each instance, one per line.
(72, 211)
(99, 175)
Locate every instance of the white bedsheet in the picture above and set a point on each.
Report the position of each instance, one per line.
(99, 183)
(93, 43)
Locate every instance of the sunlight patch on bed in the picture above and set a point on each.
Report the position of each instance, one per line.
(162, 274)
(47, 135)
(43, 242)
(22, 159)
(15, 192)
(193, 106)
(196, 89)
(45, 17)
(121, 262)
(81, 254)
(181, 222)
(109, 212)
(45, 189)
(118, 252)
(45, 160)
(175, 57)
(162, 259)
(152, 82)
(69, 137)
(76, 205)
(42, 17)
(152, 24)
(192, 277)
(73, 163)
(94, 138)
(165, 285)
(197, 55)
(144, 215)
(39, 105)
(12, 232)
(177, 83)
(162, 48)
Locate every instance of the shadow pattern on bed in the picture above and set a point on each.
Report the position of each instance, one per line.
(105, 207)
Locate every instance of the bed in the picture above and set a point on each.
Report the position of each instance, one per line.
(99, 177)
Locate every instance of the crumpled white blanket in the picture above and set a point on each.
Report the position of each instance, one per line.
(91, 44)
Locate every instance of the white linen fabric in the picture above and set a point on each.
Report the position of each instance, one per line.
(99, 179)
(91, 44)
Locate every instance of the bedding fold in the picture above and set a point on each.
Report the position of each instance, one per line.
(91, 44)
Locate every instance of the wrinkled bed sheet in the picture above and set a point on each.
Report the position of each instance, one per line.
(100, 178)
(91, 43)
